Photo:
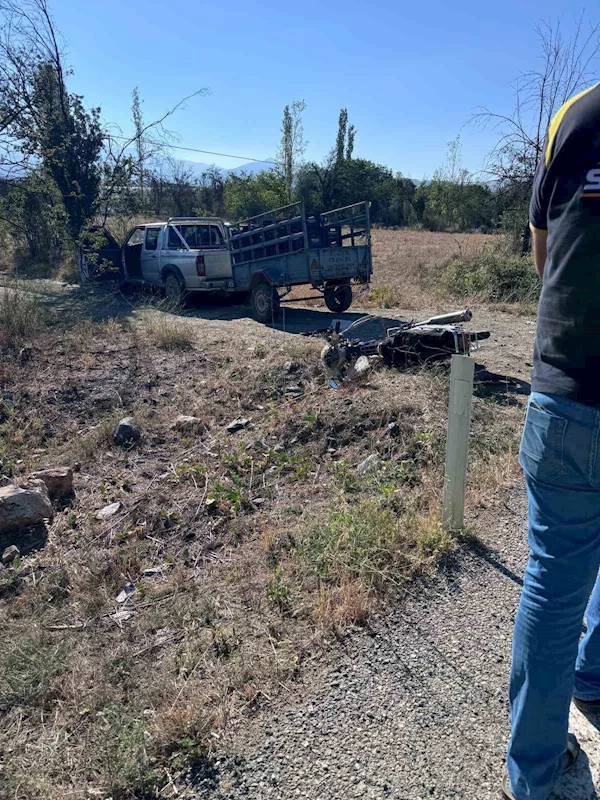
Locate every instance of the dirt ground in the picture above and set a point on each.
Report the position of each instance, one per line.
(268, 549)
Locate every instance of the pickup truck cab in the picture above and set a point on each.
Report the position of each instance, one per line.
(182, 255)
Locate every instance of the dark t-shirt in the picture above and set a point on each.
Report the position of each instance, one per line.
(566, 203)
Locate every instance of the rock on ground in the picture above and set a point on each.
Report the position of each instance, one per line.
(187, 424)
(126, 431)
(21, 508)
(59, 481)
(109, 511)
(369, 464)
(9, 554)
(237, 425)
(417, 708)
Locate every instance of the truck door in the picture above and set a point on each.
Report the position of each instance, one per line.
(150, 260)
(133, 254)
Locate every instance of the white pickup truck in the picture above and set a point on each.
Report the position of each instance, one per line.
(264, 256)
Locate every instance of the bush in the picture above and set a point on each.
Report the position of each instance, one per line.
(370, 543)
(170, 334)
(21, 317)
(501, 278)
(366, 542)
(386, 295)
(122, 755)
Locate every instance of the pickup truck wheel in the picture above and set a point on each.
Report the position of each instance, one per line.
(338, 298)
(174, 288)
(265, 302)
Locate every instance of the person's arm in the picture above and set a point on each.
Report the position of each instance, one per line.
(538, 215)
(539, 247)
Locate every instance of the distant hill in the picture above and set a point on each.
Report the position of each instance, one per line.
(254, 167)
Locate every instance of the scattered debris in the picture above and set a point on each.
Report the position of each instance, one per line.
(125, 593)
(24, 355)
(126, 431)
(188, 424)
(237, 425)
(9, 554)
(290, 366)
(22, 508)
(393, 429)
(359, 370)
(369, 464)
(151, 571)
(59, 481)
(122, 615)
(109, 511)
(211, 504)
(294, 391)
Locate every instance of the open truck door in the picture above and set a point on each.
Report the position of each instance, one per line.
(99, 256)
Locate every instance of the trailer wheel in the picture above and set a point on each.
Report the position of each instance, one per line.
(265, 302)
(338, 298)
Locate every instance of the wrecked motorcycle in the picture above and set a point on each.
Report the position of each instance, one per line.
(345, 356)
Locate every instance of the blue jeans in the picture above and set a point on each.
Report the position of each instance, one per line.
(560, 456)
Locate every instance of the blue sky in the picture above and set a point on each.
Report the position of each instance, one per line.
(410, 73)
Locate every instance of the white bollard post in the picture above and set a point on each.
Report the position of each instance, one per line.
(457, 445)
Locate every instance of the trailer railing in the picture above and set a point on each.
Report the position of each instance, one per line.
(349, 225)
(289, 229)
(273, 233)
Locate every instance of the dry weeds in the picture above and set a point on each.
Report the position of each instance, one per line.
(408, 264)
(22, 316)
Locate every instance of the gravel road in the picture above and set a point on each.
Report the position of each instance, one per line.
(417, 709)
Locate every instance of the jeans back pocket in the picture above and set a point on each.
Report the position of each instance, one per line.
(542, 444)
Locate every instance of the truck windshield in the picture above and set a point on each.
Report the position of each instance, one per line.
(197, 237)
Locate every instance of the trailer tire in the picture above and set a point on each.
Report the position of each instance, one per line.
(174, 287)
(265, 302)
(338, 298)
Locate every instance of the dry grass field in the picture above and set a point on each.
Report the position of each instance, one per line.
(408, 265)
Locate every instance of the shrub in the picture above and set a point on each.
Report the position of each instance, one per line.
(21, 317)
(366, 542)
(122, 756)
(29, 670)
(386, 295)
(170, 334)
(501, 278)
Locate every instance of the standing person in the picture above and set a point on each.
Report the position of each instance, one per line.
(560, 456)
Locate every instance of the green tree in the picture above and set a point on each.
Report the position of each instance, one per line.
(140, 145)
(342, 132)
(451, 201)
(68, 141)
(293, 145)
(248, 194)
(350, 137)
(43, 128)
